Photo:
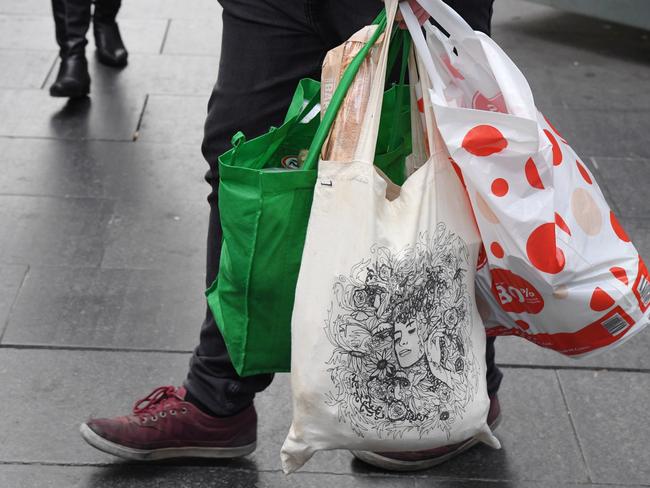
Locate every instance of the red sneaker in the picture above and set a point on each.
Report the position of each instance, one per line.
(164, 426)
(418, 460)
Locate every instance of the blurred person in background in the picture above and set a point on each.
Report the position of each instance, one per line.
(71, 22)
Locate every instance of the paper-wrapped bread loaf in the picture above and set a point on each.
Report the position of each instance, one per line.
(344, 135)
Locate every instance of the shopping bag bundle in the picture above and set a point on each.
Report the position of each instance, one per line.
(558, 268)
(265, 194)
(388, 348)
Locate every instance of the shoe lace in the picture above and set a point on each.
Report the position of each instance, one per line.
(155, 401)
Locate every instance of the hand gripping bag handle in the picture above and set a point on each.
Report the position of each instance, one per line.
(513, 84)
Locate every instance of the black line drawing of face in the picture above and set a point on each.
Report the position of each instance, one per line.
(392, 324)
(408, 347)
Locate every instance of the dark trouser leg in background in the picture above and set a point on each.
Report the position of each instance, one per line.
(106, 11)
(71, 21)
(267, 47)
(110, 48)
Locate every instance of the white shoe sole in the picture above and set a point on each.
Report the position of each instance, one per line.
(390, 464)
(131, 453)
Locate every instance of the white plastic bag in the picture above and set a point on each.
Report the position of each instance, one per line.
(388, 348)
(559, 268)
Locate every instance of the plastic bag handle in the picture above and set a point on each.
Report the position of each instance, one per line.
(423, 50)
(448, 18)
(511, 81)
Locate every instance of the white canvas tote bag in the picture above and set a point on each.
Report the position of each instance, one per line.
(559, 270)
(388, 348)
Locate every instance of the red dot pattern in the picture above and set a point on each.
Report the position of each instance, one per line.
(618, 228)
(600, 300)
(620, 274)
(500, 187)
(484, 140)
(459, 173)
(420, 103)
(559, 221)
(554, 129)
(497, 250)
(583, 172)
(557, 151)
(542, 251)
(532, 175)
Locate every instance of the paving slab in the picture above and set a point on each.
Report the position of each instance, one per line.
(52, 231)
(25, 68)
(11, 279)
(145, 35)
(32, 7)
(537, 24)
(148, 9)
(50, 392)
(639, 232)
(170, 9)
(63, 389)
(610, 412)
(154, 173)
(574, 79)
(154, 74)
(93, 307)
(37, 32)
(174, 118)
(538, 442)
(33, 113)
(194, 36)
(28, 31)
(602, 133)
(145, 236)
(428, 483)
(165, 476)
(632, 355)
(626, 179)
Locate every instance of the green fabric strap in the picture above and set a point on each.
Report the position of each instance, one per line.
(339, 96)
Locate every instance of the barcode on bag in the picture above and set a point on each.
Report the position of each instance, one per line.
(644, 291)
(615, 324)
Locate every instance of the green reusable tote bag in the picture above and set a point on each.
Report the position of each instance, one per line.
(265, 201)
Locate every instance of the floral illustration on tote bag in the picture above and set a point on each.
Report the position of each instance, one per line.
(400, 326)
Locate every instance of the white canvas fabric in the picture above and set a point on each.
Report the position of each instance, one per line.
(388, 348)
(558, 269)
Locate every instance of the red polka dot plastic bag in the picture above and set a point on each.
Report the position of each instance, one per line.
(557, 267)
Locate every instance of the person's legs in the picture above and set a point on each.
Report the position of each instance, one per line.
(253, 91)
(267, 48)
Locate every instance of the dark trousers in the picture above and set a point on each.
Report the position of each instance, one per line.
(267, 47)
(72, 19)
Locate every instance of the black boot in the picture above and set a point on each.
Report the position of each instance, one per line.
(71, 21)
(73, 80)
(110, 48)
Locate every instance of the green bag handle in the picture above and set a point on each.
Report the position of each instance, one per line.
(406, 46)
(339, 95)
(296, 106)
